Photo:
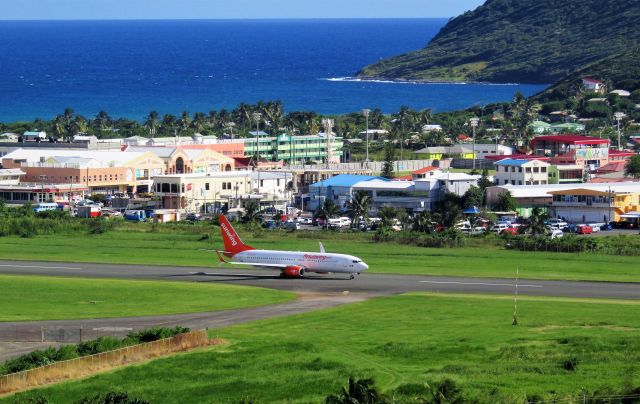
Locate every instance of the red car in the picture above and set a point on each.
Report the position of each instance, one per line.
(584, 229)
(510, 230)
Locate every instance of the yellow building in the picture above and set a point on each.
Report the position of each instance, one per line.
(599, 203)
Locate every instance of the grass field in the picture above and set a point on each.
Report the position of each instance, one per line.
(128, 246)
(402, 342)
(48, 298)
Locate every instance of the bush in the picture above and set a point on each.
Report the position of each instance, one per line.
(112, 398)
(48, 356)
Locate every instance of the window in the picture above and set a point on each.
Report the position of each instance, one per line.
(513, 182)
(224, 185)
(206, 186)
(519, 169)
(543, 169)
(536, 169)
(261, 183)
(528, 170)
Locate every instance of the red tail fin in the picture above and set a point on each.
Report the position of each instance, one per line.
(232, 242)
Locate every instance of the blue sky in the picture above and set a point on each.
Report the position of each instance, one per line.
(218, 9)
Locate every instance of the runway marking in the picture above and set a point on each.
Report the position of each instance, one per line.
(223, 273)
(35, 266)
(481, 284)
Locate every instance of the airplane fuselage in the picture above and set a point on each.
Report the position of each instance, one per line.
(310, 261)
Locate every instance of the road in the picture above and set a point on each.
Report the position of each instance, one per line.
(316, 291)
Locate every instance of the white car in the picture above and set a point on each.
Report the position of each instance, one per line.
(557, 224)
(499, 227)
(557, 233)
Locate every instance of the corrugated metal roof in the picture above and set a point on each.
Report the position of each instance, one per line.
(343, 180)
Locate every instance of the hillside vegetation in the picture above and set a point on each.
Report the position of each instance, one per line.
(527, 41)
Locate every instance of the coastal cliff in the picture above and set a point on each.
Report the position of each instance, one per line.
(525, 41)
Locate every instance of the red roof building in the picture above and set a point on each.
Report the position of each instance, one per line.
(623, 155)
(572, 149)
(418, 174)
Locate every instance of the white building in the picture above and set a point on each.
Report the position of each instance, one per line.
(522, 172)
(216, 191)
(593, 85)
(10, 176)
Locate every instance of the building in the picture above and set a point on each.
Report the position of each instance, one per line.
(295, 149)
(100, 171)
(572, 149)
(598, 203)
(20, 194)
(422, 173)
(414, 196)
(593, 85)
(336, 188)
(37, 136)
(542, 196)
(567, 174)
(483, 150)
(10, 176)
(178, 160)
(407, 195)
(219, 191)
(522, 172)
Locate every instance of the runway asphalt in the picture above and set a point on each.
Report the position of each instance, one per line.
(368, 284)
(317, 291)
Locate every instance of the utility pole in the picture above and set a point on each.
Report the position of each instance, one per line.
(474, 123)
(366, 113)
(619, 116)
(256, 116)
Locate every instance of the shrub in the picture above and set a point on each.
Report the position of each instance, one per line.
(113, 397)
(570, 364)
(155, 333)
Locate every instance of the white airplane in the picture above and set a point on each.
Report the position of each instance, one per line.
(291, 264)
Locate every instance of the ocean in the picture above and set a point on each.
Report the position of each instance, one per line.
(129, 68)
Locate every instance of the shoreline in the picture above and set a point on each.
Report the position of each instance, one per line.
(382, 80)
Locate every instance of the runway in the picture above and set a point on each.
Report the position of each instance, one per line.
(367, 284)
(316, 291)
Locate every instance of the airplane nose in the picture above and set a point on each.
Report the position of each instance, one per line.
(365, 266)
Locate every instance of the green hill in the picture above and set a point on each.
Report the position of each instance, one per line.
(621, 71)
(526, 41)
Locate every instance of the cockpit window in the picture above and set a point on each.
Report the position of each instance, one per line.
(355, 261)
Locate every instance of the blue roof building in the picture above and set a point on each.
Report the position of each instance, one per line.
(337, 189)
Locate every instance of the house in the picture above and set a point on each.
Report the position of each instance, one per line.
(522, 172)
(431, 128)
(183, 161)
(34, 136)
(420, 174)
(483, 150)
(9, 137)
(572, 149)
(539, 127)
(621, 93)
(593, 85)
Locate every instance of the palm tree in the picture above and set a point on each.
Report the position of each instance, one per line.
(360, 206)
(184, 121)
(169, 124)
(199, 121)
(536, 224)
(362, 391)
(79, 125)
(102, 121)
(152, 123)
(388, 214)
(251, 212)
(59, 128)
(326, 211)
(423, 222)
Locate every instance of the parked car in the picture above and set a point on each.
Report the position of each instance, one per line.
(513, 231)
(584, 229)
(597, 226)
(135, 215)
(557, 223)
(110, 213)
(270, 224)
(556, 233)
(192, 217)
(292, 226)
(498, 228)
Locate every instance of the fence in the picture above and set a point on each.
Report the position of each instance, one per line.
(62, 334)
(481, 164)
(87, 365)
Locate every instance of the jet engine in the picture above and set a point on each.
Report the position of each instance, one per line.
(293, 272)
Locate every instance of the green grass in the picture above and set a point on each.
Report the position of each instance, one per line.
(400, 340)
(49, 298)
(124, 246)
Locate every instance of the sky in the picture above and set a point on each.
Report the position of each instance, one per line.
(229, 9)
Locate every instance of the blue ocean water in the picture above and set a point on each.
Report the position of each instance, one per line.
(129, 68)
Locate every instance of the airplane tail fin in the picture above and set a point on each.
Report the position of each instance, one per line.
(232, 243)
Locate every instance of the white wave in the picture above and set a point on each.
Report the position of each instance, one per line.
(460, 83)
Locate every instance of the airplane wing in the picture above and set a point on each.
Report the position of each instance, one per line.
(321, 247)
